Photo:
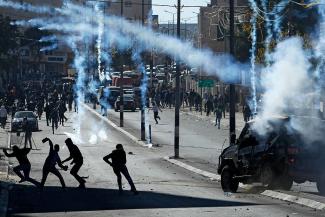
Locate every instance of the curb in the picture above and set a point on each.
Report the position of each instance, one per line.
(269, 193)
(294, 199)
(211, 176)
(133, 138)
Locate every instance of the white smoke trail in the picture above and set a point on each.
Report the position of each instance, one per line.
(253, 56)
(48, 38)
(143, 87)
(100, 19)
(26, 7)
(49, 48)
(268, 27)
(277, 11)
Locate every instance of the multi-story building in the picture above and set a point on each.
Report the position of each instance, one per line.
(214, 25)
(213, 33)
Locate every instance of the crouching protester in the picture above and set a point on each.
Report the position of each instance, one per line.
(24, 164)
(118, 157)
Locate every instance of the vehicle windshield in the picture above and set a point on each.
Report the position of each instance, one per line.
(24, 114)
(126, 98)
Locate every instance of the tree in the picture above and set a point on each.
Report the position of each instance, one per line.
(297, 20)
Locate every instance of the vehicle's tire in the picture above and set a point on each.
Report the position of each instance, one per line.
(285, 182)
(299, 181)
(228, 183)
(267, 175)
(321, 185)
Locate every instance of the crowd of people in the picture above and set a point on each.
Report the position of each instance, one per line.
(38, 97)
(209, 104)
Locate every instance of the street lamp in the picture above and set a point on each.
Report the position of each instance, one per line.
(199, 44)
(173, 20)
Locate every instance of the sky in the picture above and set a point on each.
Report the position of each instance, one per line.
(187, 13)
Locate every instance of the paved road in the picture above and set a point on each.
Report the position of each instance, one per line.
(200, 141)
(165, 190)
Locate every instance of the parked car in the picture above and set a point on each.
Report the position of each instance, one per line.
(129, 103)
(17, 121)
(275, 159)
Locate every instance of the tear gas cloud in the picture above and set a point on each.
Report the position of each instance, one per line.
(285, 82)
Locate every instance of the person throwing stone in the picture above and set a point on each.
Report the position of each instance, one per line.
(118, 157)
(49, 166)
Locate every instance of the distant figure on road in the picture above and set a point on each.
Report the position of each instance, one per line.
(156, 109)
(28, 132)
(3, 116)
(54, 116)
(24, 164)
(47, 110)
(218, 112)
(247, 113)
(77, 160)
(52, 159)
(118, 157)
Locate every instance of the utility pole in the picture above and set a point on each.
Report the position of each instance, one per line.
(168, 27)
(174, 24)
(232, 87)
(121, 83)
(143, 124)
(177, 94)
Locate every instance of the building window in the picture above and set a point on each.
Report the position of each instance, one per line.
(128, 4)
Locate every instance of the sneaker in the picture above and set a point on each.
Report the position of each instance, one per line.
(22, 180)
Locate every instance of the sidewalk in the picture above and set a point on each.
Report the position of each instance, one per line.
(240, 123)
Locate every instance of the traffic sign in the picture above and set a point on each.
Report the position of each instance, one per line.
(206, 83)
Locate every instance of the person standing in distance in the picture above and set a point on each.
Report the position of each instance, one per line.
(118, 157)
(77, 160)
